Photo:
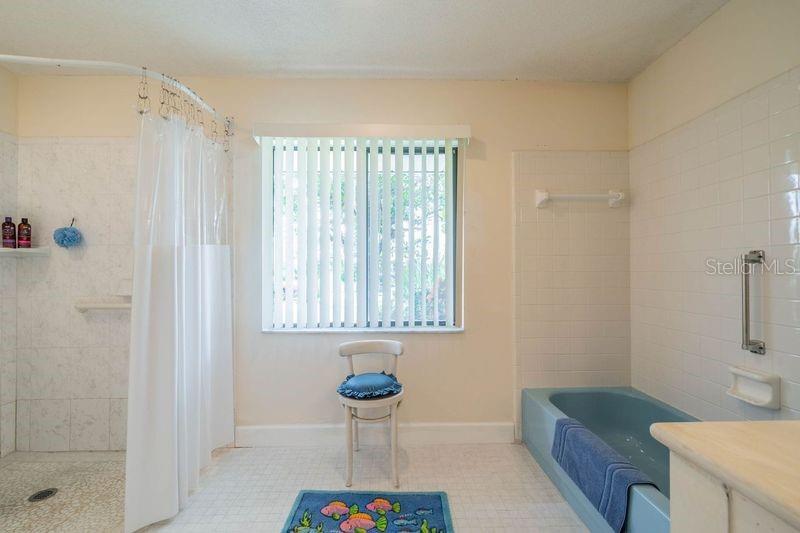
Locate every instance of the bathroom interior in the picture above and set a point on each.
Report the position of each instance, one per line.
(551, 247)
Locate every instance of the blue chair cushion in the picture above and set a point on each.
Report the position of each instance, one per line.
(369, 385)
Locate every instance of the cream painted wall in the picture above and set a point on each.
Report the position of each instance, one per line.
(290, 378)
(78, 106)
(8, 102)
(743, 44)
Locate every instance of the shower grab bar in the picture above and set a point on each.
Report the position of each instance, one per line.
(753, 257)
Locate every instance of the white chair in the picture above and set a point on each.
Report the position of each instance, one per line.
(352, 405)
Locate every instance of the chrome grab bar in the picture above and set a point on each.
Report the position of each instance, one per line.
(753, 257)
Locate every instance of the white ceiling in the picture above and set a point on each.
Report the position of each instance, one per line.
(575, 40)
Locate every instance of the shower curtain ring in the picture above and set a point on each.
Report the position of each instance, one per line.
(163, 109)
(143, 104)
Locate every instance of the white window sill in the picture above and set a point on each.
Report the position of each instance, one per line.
(452, 329)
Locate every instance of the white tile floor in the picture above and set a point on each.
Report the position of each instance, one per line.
(491, 488)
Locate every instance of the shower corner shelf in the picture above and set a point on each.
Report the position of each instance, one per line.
(756, 388)
(25, 252)
(103, 302)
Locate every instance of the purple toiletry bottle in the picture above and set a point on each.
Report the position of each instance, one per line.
(9, 234)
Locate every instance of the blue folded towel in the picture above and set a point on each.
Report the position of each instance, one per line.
(601, 473)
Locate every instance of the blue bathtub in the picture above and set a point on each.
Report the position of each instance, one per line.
(622, 418)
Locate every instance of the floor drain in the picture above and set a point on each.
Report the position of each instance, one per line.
(41, 495)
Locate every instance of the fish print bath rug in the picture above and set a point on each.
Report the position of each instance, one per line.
(317, 511)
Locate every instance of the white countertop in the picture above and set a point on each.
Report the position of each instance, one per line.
(761, 460)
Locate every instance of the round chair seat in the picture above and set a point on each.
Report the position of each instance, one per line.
(370, 385)
(383, 401)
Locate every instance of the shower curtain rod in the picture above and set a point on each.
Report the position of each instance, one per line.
(114, 67)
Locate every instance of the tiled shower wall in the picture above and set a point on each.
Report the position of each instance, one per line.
(571, 271)
(72, 367)
(8, 299)
(723, 184)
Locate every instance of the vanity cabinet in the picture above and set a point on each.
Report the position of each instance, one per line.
(703, 503)
(739, 477)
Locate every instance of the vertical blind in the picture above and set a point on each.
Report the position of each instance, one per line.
(358, 232)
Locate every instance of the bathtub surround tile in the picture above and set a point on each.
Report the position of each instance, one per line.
(89, 420)
(685, 325)
(49, 425)
(571, 269)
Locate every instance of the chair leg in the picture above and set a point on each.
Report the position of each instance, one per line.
(355, 431)
(393, 423)
(348, 423)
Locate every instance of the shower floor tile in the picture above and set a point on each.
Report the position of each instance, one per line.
(89, 498)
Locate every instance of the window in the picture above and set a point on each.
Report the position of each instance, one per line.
(359, 233)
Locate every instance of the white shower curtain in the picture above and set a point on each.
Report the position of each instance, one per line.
(180, 399)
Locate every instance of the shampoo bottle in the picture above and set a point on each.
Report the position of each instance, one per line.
(24, 234)
(9, 234)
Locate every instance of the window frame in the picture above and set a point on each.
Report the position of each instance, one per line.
(267, 242)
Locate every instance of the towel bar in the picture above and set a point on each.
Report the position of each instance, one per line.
(614, 198)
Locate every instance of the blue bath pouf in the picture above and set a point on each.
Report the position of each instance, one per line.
(67, 237)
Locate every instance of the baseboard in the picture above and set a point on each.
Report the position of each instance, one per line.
(410, 434)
